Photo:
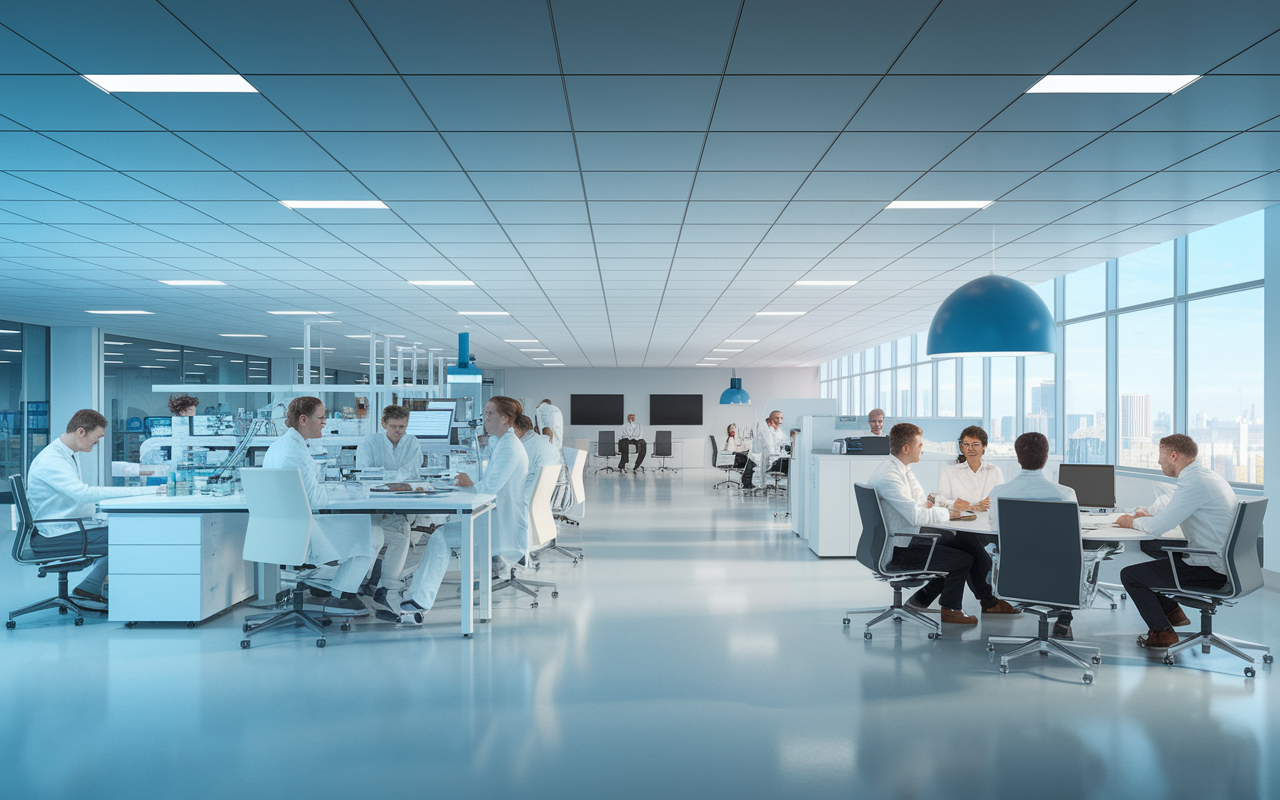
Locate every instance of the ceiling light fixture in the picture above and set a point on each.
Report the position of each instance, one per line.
(380, 336)
(113, 354)
(296, 204)
(163, 350)
(741, 341)
(11, 351)
(485, 313)
(534, 350)
(116, 84)
(714, 358)
(115, 343)
(193, 283)
(314, 347)
(244, 335)
(169, 359)
(779, 313)
(726, 349)
(117, 312)
(104, 362)
(297, 313)
(150, 366)
(1112, 84)
(202, 365)
(920, 204)
(825, 283)
(521, 341)
(443, 283)
(8, 331)
(735, 395)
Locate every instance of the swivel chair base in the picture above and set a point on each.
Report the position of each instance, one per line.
(897, 612)
(574, 553)
(528, 587)
(295, 617)
(1043, 644)
(62, 601)
(1206, 638)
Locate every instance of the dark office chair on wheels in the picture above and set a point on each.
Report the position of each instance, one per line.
(606, 451)
(61, 565)
(1244, 576)
(662, 451)
(1042, 571)
(875, 547)
(725, 465)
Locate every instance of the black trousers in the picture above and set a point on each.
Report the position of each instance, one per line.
(977, 576)
(955, 562)
(641, 449)
(69, 545)
(782, 465)
(1139, 577)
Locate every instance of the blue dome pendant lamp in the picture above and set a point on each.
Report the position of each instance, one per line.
(735, 395)
(994, 315)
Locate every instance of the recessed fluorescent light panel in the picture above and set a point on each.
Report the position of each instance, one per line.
(779, 313)
(825, 283)
(715, 359)
(333, 204)
(706, 365)
(741, 341)
(726, 349)
(297, 313)
(546, 358)
(534, 350)
(7, 331)
(116, 84)
(919, 204)
(87, 311)
(1112, 84)
(485, 313)
(115, 343)
(163, 350)
(443, 283)
(193, 283)
(244, 335)
(521, 341)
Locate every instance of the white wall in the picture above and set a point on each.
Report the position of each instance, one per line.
(557, 383)
(75, 382)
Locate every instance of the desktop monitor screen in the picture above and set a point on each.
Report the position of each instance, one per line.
(213, 425)
(675, 409)
(595, 409)
(158, 426)
(431, 424)
(1095, 484)
(442, 405)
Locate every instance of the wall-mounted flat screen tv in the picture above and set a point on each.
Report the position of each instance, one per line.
(595, 409)
(675, 409)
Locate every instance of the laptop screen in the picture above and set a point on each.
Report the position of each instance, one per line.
(1095, 484)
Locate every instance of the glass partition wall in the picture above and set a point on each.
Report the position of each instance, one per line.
(24, 396)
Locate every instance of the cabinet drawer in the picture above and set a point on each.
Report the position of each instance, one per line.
(155, 598)
(154, 528)
(154, 559)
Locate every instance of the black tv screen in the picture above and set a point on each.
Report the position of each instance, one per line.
(595, 409)
(675, 409)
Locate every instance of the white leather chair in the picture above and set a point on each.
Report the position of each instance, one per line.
(569, 504)
(542, 529)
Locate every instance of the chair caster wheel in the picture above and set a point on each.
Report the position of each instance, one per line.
(1124, 596)
(866, 635)
(131, 625)
(1004, 669)
(1114, 606)
(1167, 661)
(320, 643)
(1204, 648)
(1267, 659)
(1142, 643)
(935, 635)
(62, 610)
(846, 620)
(244, 628)
(533, 605)
(191, 624)
(346, 626)
(79, 621)
(575, 562)
(1096, 660)
(537, 566)
(326, 622)
(991, 648)
(244, 644)
(1088, 678)
(466, 636)
(555, 594)
(1249, 672)
(10, 624)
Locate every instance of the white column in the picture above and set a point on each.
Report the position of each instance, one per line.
(75, 382)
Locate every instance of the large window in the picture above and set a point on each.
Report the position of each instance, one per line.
(1224, 383)
(1040, 401)
(1085, 374)
(1145, 276)
(971, 405)
(947, 388)
(24, 396)
(1086, 291)
(1004, 405)
(1225, 254)
(1144, 371)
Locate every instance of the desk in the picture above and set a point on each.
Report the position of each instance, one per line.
(180, 559)
(1093, 528)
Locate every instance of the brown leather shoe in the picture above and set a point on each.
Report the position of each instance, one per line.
(1001, 607)
(1158, 639)
(1178, 618)
(956, 616)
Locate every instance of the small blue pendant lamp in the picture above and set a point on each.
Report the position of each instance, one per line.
(735, 395)
(992, 316)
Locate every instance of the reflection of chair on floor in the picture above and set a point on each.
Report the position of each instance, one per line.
(606, 451)
(279, 532)
(1042, 571)
(542, 529)
(58, 564)
(875, 547)
(1244, 576)
(723, 462)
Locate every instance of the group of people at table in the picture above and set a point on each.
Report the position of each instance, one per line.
(1202, 504)
(349, 544)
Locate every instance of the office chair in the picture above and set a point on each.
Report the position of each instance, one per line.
(875, 548)
(569, 499)
(542, 529)
(662, 450)
(1244, 576)
(606, 451)
(727, 468)
(279, 532)
(1042, 570)
(59, 564)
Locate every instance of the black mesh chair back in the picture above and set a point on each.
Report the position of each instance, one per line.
(606, 447)
(662, 444)
(1041, 554)
(1244, 568)
(871, 543)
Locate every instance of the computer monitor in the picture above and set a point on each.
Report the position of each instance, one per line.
(442, 404)
(158, 426)
(213, 425)
(1095, 484)
(433, 425)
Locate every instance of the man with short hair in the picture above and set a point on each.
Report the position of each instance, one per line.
(632, 436)
(55, 490)
(1205, 506)
(1031, 483)
(875, 421)
(905, 509)
(770, 441)
(400, 457)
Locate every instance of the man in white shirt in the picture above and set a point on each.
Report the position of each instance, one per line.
(540, 451)
(770, 438)
(345, 538)
(55, 490)
(550, 422)
(400, 458)
(1031, 483)
(905, 509)
(1204, 505)
(875, 420)
(633, 436)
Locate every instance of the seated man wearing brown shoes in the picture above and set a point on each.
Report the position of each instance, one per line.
(905, 509)
(1205, 506)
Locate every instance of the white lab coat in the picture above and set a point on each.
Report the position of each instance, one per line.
(902, 502)
(402, 461)
(542, 453)
(548, 416)
(1204, 505)
(958, 482)
(55, 490)
(505, 477)
(632, 430)
(768, 445)
(346, 538)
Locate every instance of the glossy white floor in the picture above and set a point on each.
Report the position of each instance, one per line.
(696, 652)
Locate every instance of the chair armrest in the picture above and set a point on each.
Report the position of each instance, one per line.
(1197, 550)
(84, 534)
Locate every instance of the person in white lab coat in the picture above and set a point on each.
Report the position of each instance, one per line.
(1204, 505)
(770, 440)
(55, 490)
(550, 422)
(504, 477)
(632, 435)
(733, 443)
(346, 538)
(540, 451)
(400, 458)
